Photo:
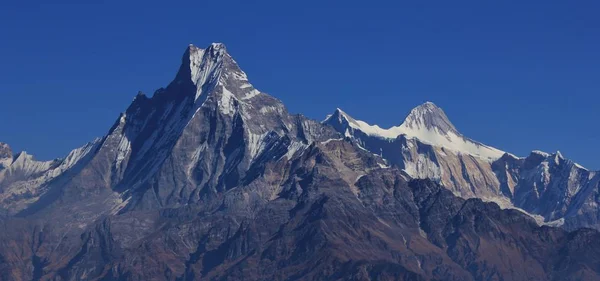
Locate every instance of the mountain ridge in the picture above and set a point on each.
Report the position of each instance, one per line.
(428, 123)
(541, 183)
(395, 131)
(212, 179)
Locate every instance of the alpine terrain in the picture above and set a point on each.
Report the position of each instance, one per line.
(211, 179)
(426, 145)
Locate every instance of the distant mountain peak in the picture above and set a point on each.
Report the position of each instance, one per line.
(428, 116)
(340, 115)
(5, 150)
(6, 155)
(426, 122)
(557, 158)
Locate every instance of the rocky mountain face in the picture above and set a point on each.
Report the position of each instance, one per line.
(5, 155)
(563, 192)
(427, 145)
(23, 180)
(211, 179)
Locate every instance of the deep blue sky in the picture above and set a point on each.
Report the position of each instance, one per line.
(518, 75)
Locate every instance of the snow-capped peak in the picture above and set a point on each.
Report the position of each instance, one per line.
(427, 123)
(203, 66)
(211, 68)
(428, 116)
(557, 158)
(340, 115)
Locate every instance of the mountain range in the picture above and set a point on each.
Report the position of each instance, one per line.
(553, 189)
(212, 179)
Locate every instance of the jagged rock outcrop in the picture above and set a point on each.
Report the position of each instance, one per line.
(6, 155)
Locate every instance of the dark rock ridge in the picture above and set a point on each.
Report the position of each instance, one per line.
(211, 179)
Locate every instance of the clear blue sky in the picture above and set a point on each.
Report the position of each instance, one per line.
(518, 75)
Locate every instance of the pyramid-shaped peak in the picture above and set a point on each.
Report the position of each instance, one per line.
(339, 113)
(428, 116)
(427, 108)
(339, 116)
(202, 67)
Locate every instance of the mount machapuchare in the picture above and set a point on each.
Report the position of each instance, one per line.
(211, 179)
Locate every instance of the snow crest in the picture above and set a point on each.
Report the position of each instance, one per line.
(428, 124)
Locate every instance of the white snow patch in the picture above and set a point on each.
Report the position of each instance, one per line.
(330, 140)
(241, 76)
(358, 178)
(360, 146)
(347, 134)
(196, 157)
(504, 203)
(293, 148)
(119, 205)
(268, 109)
(255, 143)
(539, 152)
(227, 102)
(123, 150)
(251, 94)
(205, 66)
(423, 168)
(514, 156)
(556, 223)
(580, 167)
